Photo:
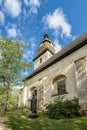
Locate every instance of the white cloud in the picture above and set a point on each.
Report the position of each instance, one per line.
(58, 22)
(34, 4)
(0, 2)
(26, 2)
(12, 32)
(57, 45)
(13, 7)
(2, 17)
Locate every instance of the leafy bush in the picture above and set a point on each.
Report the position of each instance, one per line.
(60, 108)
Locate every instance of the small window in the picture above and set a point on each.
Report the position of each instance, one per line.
(40, 60)
(61, 87)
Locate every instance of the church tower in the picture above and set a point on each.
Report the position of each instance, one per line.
(45, 51)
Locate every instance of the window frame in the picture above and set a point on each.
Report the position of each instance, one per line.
(40, 59)
(57, 79)
(61, 86)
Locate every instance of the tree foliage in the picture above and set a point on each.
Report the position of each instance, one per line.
(12, 65)
(13, 98)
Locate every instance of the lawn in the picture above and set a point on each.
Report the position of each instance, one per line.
(18, 120)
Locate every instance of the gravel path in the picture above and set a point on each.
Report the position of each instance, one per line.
(2, 127)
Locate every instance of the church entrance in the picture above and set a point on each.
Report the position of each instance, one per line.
(33, 92)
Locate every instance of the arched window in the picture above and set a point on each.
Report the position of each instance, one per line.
(61, 86)
(59, 83)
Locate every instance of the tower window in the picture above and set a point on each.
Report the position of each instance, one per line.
(40, 60)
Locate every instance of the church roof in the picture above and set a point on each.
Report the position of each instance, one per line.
(73, 46)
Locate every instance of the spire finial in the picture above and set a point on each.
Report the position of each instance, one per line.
(46, 36)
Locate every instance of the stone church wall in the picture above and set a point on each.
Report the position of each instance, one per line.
(67, 67)
(81, 78)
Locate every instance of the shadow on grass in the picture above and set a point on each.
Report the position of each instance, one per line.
(18, 120)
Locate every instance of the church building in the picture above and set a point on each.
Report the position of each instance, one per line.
(57, 74)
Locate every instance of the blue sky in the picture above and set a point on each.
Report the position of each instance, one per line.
(29, 20)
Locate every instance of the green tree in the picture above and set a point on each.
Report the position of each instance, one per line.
(12, 65)
(13, 98)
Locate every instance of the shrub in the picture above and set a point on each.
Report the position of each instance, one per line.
(60, 108)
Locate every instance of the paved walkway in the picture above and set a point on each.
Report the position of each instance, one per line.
(2, 127)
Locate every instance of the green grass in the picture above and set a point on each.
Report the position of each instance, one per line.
(18, 120)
